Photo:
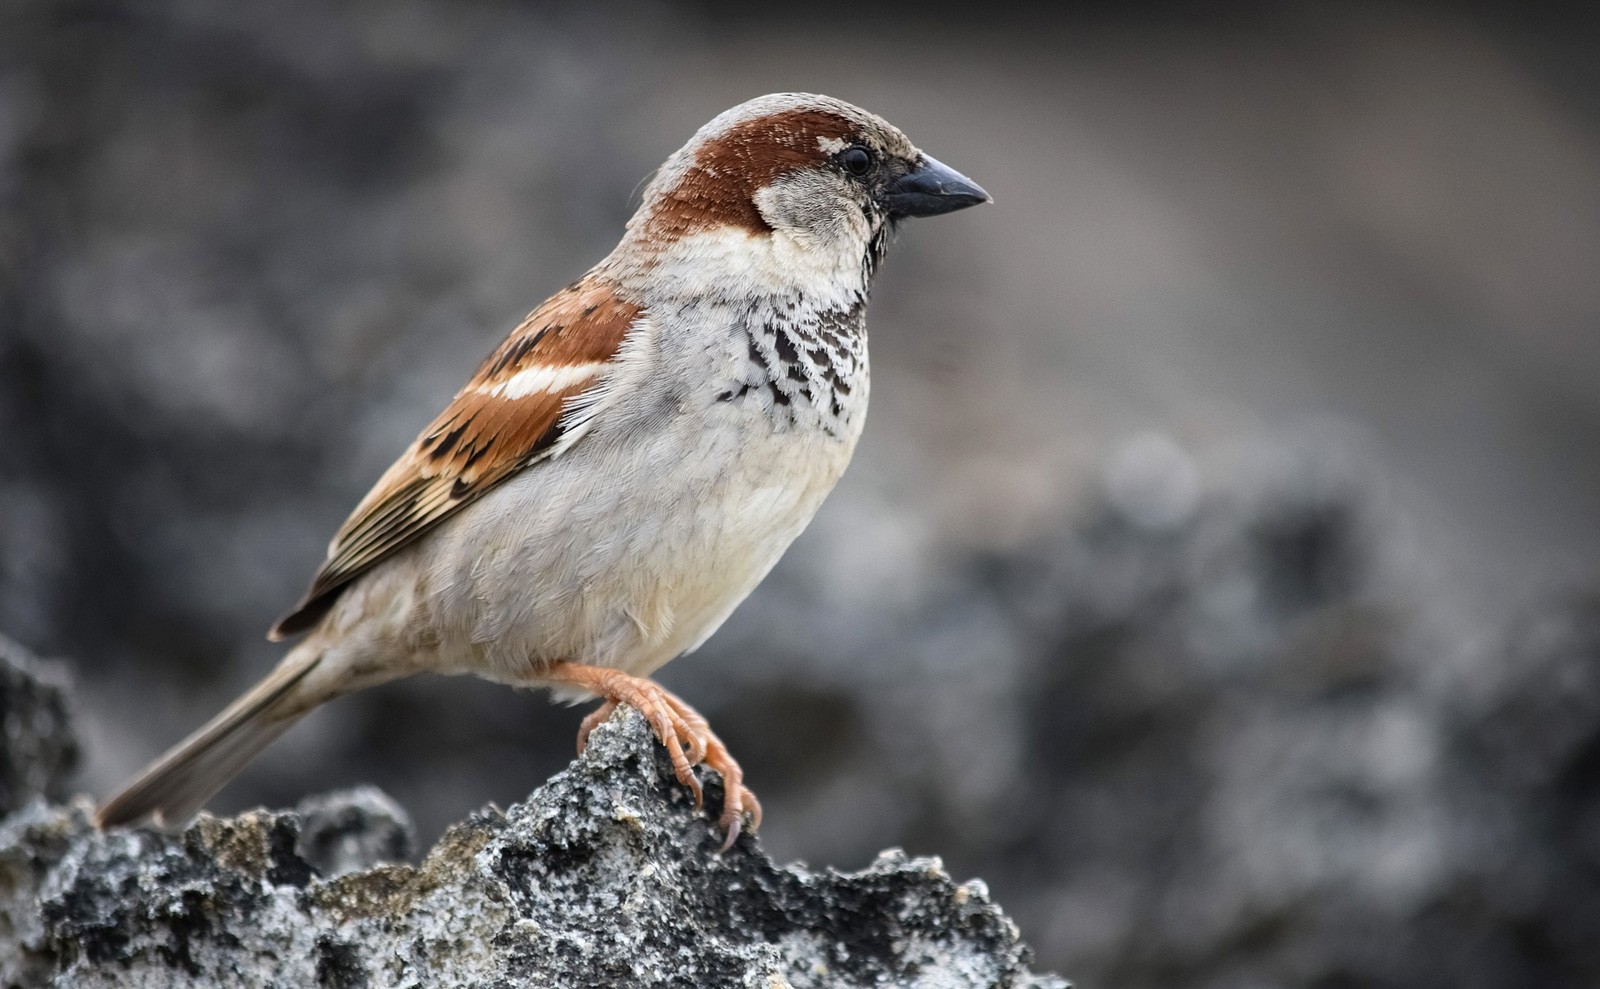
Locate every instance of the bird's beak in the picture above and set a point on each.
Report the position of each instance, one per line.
(930, 189)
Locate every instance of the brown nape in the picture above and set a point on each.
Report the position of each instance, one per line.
(719, 188)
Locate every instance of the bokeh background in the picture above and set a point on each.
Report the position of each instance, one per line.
(1216, 578)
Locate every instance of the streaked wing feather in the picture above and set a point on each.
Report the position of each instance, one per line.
(509, 415)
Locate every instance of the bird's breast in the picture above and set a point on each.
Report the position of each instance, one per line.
(802, 370)
(635, 544)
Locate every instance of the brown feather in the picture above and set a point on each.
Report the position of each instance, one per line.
(481, 438)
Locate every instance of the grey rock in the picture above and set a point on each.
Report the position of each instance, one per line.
(40, 752)
(605, 876)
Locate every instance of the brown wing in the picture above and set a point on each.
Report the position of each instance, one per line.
(508, 416)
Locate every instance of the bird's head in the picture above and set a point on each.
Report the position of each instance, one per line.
(809, 181)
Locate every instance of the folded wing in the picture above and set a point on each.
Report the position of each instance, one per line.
(510, 415)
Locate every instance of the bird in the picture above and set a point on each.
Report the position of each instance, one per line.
(626, 466)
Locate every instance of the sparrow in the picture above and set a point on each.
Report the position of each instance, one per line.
(626, 466)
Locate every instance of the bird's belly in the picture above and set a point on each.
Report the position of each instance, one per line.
(623, 554)
(695, 582)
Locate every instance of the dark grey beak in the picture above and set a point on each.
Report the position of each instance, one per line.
(930, 189)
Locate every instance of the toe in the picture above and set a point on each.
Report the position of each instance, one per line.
(594, 720)
(752, 807)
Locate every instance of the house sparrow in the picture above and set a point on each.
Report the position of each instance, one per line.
(625, 468)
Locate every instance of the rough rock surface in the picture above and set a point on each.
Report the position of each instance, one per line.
(606, 876)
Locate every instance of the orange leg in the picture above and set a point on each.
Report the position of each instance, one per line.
(678, 725)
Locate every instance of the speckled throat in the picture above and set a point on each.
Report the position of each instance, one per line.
(807, 367)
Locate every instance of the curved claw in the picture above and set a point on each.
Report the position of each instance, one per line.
(753, 808)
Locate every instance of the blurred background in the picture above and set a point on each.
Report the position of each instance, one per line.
(1216, 578)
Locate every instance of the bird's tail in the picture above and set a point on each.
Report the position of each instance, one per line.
(174, 787)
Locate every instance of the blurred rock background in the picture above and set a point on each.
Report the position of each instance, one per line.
(1217, 577)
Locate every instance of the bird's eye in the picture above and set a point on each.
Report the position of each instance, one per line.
(856, 160)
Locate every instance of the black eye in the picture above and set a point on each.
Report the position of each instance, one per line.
(856, 160)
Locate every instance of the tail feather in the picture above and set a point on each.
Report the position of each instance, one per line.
(174, 787)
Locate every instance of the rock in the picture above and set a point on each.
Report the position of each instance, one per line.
(605, 876)
(40, 751)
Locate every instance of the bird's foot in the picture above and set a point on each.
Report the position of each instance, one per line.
(688, 739)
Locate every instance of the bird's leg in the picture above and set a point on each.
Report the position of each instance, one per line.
(678, 725)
